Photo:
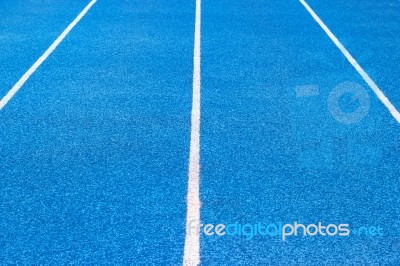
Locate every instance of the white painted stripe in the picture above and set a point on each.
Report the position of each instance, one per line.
(354, 63)
(191, 255)
(41, 59)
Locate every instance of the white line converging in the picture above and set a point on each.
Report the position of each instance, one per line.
(191, 255)
(41, 59)
(354, 63)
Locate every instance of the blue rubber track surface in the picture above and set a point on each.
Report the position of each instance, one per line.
(27, 28)
(285, 158)
(94, 148)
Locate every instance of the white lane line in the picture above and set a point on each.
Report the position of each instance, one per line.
(191, 255)
(354, 63)
(41, 59)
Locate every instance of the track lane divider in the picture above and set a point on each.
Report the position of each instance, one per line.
(10, 94)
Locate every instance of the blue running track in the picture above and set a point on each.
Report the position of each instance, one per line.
(94, 147)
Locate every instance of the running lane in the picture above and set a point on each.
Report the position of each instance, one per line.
(94, 147)
(27, 28)
(370, 30)
(282, 141)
